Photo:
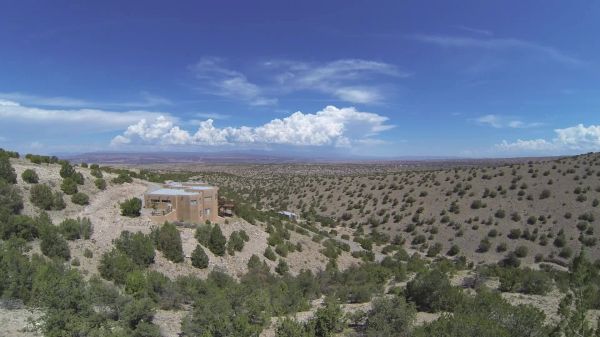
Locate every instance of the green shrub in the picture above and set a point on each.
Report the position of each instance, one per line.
(434, 249)
(7, 172)
(545, 194)
(521, 251)
(66, 170)
(431, 291)
(510, 260)
(390, 317)
(282, 267)
(484, 246)
(244, 235)
(282, 250)
(169, 242)
(58, 203)
(328, 319)
(80, 198)
(514, 233)
(269, 254)
(291, 328)
(74, 229)
(95, 172)
(566, 252)
(10, 198)
(123, 177)
(88, 253)
(217, 241)
(53, 244)
(19, 226)
(69, 186)
(526, 281)
(199, 258)
(78, 178)
(37, 159)
(131, 207)
(9, 154)
(235, 243)
(41, 196)
(488, 315)
(137, 246)
(115, 265)
(454, 250)
(203, 234)
(136, 284)
(30, 176)
(560, 241)
(477, 204)
(100, 184)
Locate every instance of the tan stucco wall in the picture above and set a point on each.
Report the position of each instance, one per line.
(183, 208)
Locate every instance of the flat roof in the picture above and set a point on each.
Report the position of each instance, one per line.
(171, 191)
(190, 185)
(199, 188)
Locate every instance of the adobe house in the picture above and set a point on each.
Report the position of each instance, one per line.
(184, 202)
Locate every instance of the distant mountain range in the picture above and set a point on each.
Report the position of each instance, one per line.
(256, 157)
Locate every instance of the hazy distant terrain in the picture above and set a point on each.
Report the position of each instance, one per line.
(265, 157)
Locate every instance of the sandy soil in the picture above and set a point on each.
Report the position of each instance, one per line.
(15, 322)
(169, 322)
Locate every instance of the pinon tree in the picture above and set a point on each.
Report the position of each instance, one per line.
(30, 176)
(41, 196)
(217, 241)
(168, 241)
(199, 258)
(131, 207)
(7, 172)
(66, 170)
(69, 186)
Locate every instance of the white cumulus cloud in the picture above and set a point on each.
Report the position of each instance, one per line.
(331, 126)
(577, 138)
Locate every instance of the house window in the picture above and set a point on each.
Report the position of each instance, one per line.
(193, 202)
(207, 211)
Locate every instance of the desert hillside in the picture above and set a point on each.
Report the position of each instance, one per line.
(396, 249)
(548, 206)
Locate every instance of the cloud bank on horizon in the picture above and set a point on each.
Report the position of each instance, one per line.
(332, 126)
(578, 138)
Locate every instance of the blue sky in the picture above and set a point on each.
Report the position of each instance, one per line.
(383, 78)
